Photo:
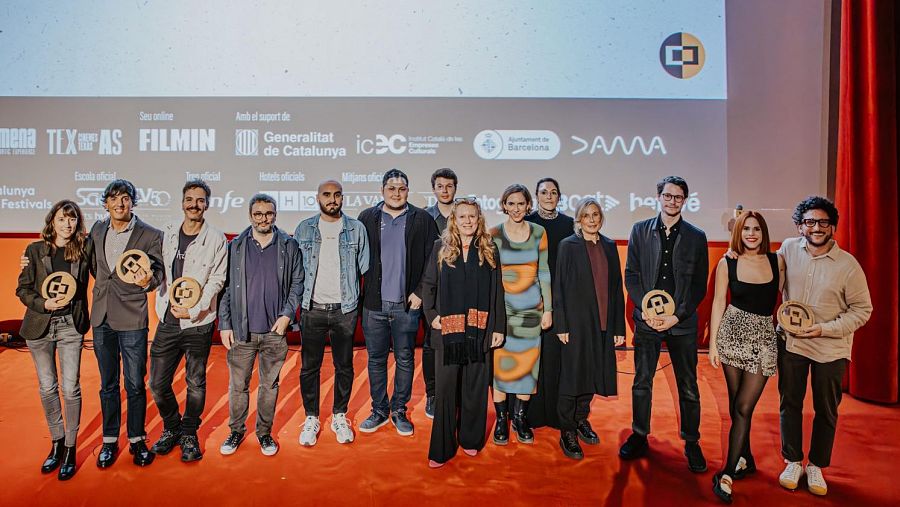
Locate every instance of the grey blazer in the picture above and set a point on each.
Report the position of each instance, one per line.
(37, 318)
(122, 305)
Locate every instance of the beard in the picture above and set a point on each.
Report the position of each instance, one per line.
(263, 229)
(336, 212)
(814, 242)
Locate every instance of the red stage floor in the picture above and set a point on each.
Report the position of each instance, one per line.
(387, 469)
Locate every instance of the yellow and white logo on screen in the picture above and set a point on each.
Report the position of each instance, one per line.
(682, 55)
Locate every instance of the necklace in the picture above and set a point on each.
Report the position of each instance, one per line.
(547, 215)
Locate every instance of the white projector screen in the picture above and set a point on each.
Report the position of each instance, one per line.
(275, 96)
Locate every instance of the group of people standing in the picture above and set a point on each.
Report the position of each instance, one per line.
(529, 311)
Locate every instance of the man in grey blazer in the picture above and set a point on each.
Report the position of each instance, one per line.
(119, 318)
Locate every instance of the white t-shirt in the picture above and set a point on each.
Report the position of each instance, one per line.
(328, 275)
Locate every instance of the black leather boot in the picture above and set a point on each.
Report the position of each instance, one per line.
(53, 459)
(568, 442)
(520, 422)
(67, 468)
(501, 430)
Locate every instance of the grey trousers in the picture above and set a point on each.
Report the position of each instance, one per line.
(272, 351)
(61, 338)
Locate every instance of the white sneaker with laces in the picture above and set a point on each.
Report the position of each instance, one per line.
(815, 481)
(341, 428)
(790, 477)
(310, 431)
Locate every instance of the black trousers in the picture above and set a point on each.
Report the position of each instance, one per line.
(428, 361)
(170, 344)
(683, 353)
(460, 406)
(573, 410)
(315, 325)
(793, 370)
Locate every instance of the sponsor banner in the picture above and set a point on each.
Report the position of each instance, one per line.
(399, 144)
(73, 141)
(516, 144)
(18, 141)
(186, 140)
(310, 144)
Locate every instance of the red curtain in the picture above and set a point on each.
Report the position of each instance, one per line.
(866, 185)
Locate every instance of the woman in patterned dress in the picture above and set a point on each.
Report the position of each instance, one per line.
(526, 283)
(742, 338)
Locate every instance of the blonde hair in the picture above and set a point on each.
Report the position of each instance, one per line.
(451, 241)
(581, 210)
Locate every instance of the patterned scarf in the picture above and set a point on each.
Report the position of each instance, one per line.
(465, 294)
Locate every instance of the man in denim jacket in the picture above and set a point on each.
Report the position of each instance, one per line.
(335, 254)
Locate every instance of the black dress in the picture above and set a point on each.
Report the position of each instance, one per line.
(542, 409)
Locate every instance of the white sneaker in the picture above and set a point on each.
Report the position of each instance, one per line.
(790, 477)
(815, 481)
(310, 431)
(341, 428)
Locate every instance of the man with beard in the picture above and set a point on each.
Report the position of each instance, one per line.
(400, 239)
(265, 282)
(667, 253)
(335, 253)
(191, 248)
(443, 185)
(119, 318)
(831, 282)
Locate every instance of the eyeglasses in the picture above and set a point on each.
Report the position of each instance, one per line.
(259, 215)
(824, 223)
(467, 200)
(670, 197)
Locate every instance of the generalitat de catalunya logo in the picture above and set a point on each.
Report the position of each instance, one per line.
(682, 55)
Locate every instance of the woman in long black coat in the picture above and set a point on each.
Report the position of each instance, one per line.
(589, 318)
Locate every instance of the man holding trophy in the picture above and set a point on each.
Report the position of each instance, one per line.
(666, 276)
(125, 257)
(195, 258)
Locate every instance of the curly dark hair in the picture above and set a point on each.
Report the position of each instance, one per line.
(816, 202)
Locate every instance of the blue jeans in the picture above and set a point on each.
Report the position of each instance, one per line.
(397, 327)
(109, 344)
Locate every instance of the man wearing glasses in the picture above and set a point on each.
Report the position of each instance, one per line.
(265, 283)
(667, 253)
(832, 283)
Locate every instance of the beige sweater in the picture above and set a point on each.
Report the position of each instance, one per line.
(834, 286)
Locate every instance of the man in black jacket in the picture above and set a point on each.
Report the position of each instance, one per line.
(401, 237)
(667, 253)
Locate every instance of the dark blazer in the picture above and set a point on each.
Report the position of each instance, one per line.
(431, 301)
(421, 232)
(588, 361)
(123, 305)
(233, 306)
(691, 265)
(31, 278)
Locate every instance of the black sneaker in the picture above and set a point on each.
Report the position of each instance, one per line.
(696, 461)
(373, 422)
(231, 443)
(167, 441)
(586, 433)
(429, 407)
(568, 442)
(402, 423)
(190, 448)
(635, 447)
